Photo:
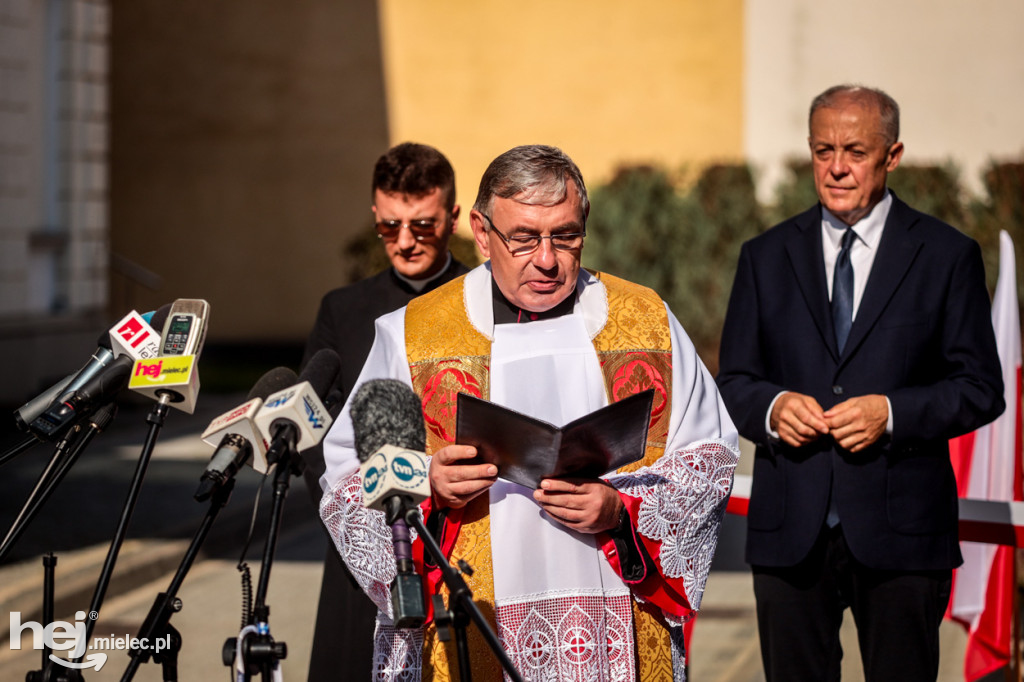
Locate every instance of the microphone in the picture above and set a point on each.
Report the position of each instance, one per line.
(295, 419)
(387, 422)
(133, 335)
(49, 414)
(174, 374)
(61, 390)
(240, 442)
(96, 392)
(27, 413)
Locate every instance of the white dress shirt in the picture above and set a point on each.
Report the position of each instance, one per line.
(862, 252)
(862, 256)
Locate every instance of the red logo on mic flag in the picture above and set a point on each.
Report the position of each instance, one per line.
(133, 332)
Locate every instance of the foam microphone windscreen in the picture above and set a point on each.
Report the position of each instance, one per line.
(387, 412)
(322, 371)
(273, 381)
(159, 318)
(103, 340)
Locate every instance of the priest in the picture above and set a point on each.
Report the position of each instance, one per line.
(585, 578)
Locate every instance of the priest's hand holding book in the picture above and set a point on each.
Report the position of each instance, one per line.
(562, 465)
(587, 505)
(457, 476)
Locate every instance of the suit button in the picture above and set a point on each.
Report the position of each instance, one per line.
(837, 390)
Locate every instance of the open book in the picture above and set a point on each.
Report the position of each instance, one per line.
(526, 450)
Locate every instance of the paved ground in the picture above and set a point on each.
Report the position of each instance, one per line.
(80, 520)
(725, 645)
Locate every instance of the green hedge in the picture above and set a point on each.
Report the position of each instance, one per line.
(683, 244)
(683, 241)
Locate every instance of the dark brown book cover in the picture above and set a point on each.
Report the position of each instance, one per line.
(526, 450)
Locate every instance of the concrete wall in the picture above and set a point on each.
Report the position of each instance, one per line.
(53, 188)
(243, 136)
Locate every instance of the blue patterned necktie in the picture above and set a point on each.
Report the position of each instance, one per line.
(842, 290)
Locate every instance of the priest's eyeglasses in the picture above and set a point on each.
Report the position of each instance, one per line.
(388, 230)
(523, 244)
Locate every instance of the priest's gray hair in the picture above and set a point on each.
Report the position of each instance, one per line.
(531, 174)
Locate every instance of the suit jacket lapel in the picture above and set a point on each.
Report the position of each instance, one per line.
(805, 256)
(896, 252)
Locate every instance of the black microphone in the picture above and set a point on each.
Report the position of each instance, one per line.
(242, 440)
(27, 413)
(386, 412)
(334, 402)
(94, 393)
(295, 419)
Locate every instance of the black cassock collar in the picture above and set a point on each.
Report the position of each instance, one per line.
(506, 312)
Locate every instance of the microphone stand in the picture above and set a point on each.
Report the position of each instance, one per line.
(60, 464)
(461, 607)
(157, 624)
(260, 653)
(155, 419)
(48, 673)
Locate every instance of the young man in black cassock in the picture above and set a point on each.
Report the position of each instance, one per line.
(415, 215)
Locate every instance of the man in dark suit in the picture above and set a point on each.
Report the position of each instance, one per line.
(857, 342)
(415, 215)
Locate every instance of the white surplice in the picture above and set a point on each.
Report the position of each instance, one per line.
(563, 612)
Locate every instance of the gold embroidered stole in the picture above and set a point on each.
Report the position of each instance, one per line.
(448, 356)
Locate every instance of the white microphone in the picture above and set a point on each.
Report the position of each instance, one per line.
(392, 470)
(174, 374)
(295, 419)
(236, 437)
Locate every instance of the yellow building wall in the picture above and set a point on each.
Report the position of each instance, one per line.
(607, 81)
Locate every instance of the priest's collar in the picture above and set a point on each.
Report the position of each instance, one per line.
(423, 285)
(506, 312)
(590, 300)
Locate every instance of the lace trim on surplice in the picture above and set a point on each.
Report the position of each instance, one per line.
(683, 498)
(362, 538)
(573, 637)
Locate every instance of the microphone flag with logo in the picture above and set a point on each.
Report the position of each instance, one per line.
(174, 374)
(295, 418)
(390, 437)
(236, 437)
